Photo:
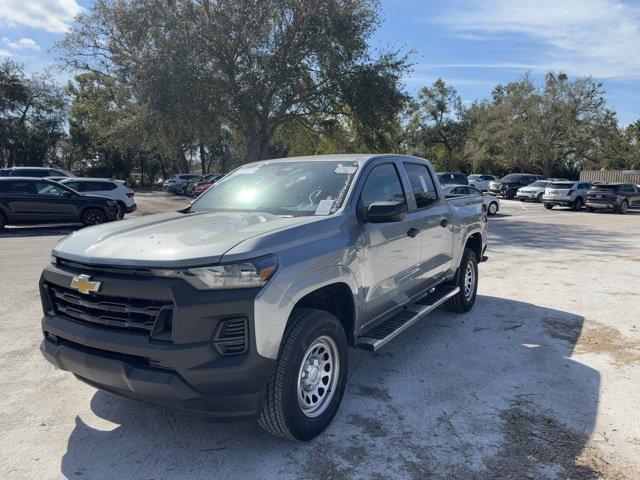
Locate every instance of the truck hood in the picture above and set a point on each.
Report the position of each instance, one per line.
(168, 239)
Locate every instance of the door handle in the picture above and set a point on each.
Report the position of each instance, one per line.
(444, 222)
(412, 232)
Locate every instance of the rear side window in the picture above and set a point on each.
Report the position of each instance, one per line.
(100, 186)
(382, 185)
(583, 186)
(17, 188)
(44, 188)
(422, 184)
(73, 185)
(31, 172)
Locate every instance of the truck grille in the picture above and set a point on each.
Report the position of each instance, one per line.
(111, 312)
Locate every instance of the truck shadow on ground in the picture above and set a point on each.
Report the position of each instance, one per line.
(41, 231)
(488, 394)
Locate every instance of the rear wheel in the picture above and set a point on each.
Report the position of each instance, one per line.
(122, 209)
(577, 204)
(308, 382)
(493, 208)
(540, 197)
(467, 280)
(548, 206)
(93, 216)
(622, 209)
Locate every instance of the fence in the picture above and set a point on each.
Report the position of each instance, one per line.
(611, 176)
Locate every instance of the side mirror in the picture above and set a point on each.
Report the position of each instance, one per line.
(66, 193)
(381, 212)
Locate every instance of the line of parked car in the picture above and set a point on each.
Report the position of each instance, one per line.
(190, 184)
(39, 195)
(552, 192)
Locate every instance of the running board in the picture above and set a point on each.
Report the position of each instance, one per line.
(379, 336)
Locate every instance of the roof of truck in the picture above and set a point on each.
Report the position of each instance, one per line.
(361, 158)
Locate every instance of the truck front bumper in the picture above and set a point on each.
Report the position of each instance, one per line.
(184, 371)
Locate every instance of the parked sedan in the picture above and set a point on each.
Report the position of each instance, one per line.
(115, 189)
(566, 194)
(618, 197)
(534, 192)
(508, 185)
(481, 182)
(491, 203)
(32, 201)
(206, 185)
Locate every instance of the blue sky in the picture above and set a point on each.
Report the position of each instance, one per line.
(472, 45)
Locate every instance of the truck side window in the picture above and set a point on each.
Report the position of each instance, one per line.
(421, 184)
(382, 185)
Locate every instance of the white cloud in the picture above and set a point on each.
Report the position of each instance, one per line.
(22, 44)
(50, 15)
(581, 37)
(4, 53)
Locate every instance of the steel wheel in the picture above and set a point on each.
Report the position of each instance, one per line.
(469, 281)
(318, 376)
(493, 208)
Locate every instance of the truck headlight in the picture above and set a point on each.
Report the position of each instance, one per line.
(250, 274)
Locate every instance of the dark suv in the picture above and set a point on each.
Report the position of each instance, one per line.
(508, 185)
(452, 178)
(612, 196)
(30, 201)
(34, 172)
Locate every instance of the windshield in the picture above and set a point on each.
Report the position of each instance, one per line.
(281, 188)
(539, 183)
(512, 177)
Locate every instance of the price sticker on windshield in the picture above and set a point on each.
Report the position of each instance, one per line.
(348, 169)
(324, 207)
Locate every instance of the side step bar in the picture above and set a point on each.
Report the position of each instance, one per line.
(379, 336)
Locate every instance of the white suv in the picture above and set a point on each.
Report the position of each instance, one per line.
(115, 189)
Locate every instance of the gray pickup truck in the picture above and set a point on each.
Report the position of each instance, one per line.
(245, 303)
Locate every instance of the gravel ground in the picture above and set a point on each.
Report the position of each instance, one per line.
(540, 380)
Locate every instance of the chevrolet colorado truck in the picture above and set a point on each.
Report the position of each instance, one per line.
(245, 303)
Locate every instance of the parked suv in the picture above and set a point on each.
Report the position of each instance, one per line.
(508, 185)
(30, 201)
(566, 194)
(452, 178)
(481, 182)
(618, 197)
(35, 172)
(244, 304)
(115, 189)
(178, 182)
(534, 192)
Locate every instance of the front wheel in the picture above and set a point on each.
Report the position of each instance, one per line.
(308, 382)
(93, 216)
(622, 209)
(540, 197)
(493, 208)
(548, 206)
(467, 280)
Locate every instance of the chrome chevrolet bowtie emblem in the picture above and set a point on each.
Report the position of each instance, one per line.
(83, 284)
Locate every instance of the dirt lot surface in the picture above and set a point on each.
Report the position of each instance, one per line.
(540, 380)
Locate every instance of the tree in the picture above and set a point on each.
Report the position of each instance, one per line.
(437, 120)
(248, 65)
(32, 117)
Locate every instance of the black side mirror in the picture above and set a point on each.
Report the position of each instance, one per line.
(66, 193)
(381, 212)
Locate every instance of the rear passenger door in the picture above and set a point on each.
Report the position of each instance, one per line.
(433, 218)
(19, 198)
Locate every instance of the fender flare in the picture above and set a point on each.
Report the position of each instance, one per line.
(273, 306)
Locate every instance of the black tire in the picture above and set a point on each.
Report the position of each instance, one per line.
(461, 302)
(122, 209)
(510, 195)
(281, 413)
(495, 207)
(93, 216)
(623, 208)
(589, 209)
(540, 197)
(577, 204)
(548, 206)
(3, 221)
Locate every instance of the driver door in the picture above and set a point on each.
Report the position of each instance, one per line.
(391, 249)
(55, 203)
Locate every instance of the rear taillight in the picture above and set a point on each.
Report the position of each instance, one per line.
(569, 193)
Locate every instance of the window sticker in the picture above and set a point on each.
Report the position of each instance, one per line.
(349, 170)
(324, 207)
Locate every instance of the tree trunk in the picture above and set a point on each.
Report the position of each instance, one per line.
(203, 159)
(181, 160)
(257, 146)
